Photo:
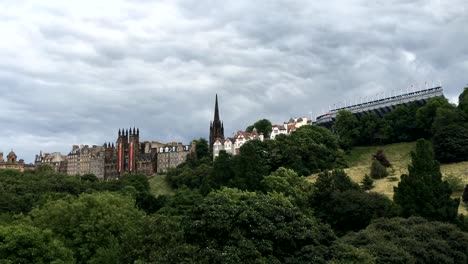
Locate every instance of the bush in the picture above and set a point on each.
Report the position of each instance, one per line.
(455, 182)
(378, 171)
(380, 157)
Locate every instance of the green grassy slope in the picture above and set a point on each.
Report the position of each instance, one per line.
(159, 186)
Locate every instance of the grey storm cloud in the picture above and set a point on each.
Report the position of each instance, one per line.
(74, 72)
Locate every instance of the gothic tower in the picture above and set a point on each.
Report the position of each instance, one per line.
(216, 126)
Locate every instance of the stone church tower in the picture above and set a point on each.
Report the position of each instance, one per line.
(216, 126)
(128, 146)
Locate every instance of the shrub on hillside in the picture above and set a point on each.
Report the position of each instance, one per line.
(455, 182)
(380, 157)
(378, 171)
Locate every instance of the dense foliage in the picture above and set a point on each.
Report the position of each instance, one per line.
(341, 203)
(439, 120)
(307, 150)
(413, 240)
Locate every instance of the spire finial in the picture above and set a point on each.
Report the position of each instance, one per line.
(216, 114)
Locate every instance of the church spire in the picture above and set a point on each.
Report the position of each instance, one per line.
(216, 126)
(216, 113)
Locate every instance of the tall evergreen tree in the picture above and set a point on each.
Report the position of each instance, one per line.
(422, 192)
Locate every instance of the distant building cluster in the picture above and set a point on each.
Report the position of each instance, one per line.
(11, 162)
(232, 145)
(288, 127)
(110, 161)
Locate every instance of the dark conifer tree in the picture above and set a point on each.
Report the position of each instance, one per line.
(367, 183)
(422, 192)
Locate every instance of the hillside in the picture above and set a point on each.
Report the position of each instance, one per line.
(360, 158)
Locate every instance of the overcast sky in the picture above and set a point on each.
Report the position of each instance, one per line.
(74, 72)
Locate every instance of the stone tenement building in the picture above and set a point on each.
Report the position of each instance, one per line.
(216, 126)
(171, 155)
(56, 160)
(11, 162)
(85, 160)
(127, 156)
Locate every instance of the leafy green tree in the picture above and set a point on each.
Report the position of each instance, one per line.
(263, 126)
(340, 202)
(426, 114)
(344, 253)
(413, 240)
(149, 203)
(369, 125)
(346, 127)
(222, 169)
(193, 178)
(451, 143)
(329, 182)
(463, 102)
(139, 181)
(232, 226)
(202, 149)
(289, 183)
(400, 125)
(89, 177)
(422, 192)
(201, 155)
(309, 149)
(44, 168)
(161, 239)
(94, 226)
(367, 183)
(250, 166)
(21, 243)
(445, 117)
(377, 170)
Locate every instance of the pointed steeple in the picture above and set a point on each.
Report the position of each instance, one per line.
(216, 113)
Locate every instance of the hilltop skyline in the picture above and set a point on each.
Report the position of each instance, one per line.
(74, 73)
